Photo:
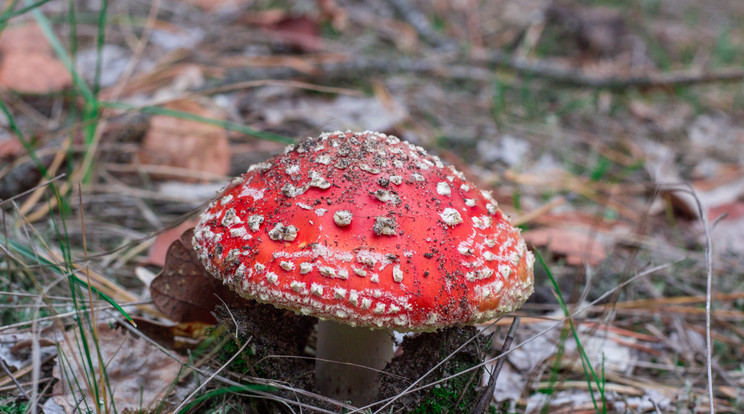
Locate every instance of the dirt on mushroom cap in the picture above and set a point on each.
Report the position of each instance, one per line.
(369, 230)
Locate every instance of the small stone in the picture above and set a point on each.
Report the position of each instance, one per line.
(397, 274)
(342, 218)
(385, 226)
(444, 189)
(451, 217)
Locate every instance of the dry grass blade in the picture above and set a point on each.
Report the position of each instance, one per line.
(211, 377)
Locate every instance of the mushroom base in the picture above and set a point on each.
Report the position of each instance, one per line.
(349, 360)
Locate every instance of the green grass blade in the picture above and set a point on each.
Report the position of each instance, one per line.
(46, 27)
(100, 41)
(11, 14)
(30, 255)
(589, 371)
(226, 390)
(22, 139)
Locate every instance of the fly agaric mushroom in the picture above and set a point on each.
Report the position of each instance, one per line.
(367, 233)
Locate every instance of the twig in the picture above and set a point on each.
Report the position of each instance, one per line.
(481, 69)
(15, 381)
(708, 296)
(67, 314)
(569, 76)
(211, 377)
(507, 344)
(31, 190)
(494, 375)
(703, 214)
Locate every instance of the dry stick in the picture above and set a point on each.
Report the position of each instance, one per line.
(31, 190)
(67, 314)
(488, 394)
(15, 381)
(56, 163)
(505, 348)
(139, 48)
(544, 209)
(480, 69)
(573, 77)
(259, 83)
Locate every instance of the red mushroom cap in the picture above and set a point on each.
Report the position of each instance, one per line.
(368, 230)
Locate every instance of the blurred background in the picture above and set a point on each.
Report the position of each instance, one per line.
(611, 132)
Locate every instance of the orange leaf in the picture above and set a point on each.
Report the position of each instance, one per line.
(33, 72)
(578, 246)
(25, 39)
(191, 145)
(158, 250)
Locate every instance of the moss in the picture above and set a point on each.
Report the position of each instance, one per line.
(457, 395)
(9, 405)
(421, 354)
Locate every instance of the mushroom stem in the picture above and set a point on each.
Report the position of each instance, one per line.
(361, 353)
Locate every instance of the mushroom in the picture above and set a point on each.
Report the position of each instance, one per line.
(370, 234)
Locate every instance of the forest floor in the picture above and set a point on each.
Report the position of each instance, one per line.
(611, 132)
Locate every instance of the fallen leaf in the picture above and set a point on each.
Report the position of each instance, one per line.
(25, 39)
(159, 248)
(186, 144)
(176, 336)
(577, 245)
(728, 232)
(138, 373)
(302, 32)
(216, 5)
(10, 148)
(184, 291)
(28, 64)
(34, 73)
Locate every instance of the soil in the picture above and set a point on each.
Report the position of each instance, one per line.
(276, 332)
(421, 353)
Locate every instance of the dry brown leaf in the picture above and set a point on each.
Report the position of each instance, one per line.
(36, 73)
(302, 32)
(10, 148)
(177, 336)
(184, 291)
(192, 145)
(25, 39)
(216, 5)
(137, 372)
(728, 233)
(28, 64)
(578, 246)
(159, 248)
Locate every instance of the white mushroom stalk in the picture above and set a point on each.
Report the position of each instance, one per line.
(349, 360)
